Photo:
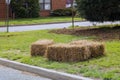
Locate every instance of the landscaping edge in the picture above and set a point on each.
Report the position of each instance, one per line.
(55, 75)
(45, 23)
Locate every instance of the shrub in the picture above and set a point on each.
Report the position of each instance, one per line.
(99, 10)
(63, 12)
(25, 8)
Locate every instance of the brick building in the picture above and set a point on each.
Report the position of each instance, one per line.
(2, 9)
(46, 7)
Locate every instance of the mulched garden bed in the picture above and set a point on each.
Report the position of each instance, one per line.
(103, 33)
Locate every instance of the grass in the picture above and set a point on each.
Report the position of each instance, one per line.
(41, 20)
(17, 47)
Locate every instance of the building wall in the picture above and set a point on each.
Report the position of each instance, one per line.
(44, 13)
(2, 9)
(58, 4)
(55, 4)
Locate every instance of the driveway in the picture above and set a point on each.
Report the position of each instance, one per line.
(12, 74)
(49, 26)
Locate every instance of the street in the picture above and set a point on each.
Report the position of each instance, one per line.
(12, 74)
(50, 26)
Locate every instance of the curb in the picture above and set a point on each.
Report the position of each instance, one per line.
(41, 71)
(44, 23)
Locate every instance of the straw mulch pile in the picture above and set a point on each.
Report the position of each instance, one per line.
(102, 33)
(40, 47)
(79, 42)
(74, 51)
(96, 48)
(67, 52)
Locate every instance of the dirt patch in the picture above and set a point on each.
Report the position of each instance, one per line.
(104, 33)
(10, 35)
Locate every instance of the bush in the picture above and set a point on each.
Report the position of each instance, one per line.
(25, 8)
(99, 10)
(63, 12)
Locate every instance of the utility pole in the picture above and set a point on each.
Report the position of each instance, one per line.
(7, 17)
(7, 14)
(72, 13)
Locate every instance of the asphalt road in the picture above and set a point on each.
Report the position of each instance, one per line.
(12, 74)
(49, 26)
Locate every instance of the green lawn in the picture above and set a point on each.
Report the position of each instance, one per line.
(41, 20)
(17, 47)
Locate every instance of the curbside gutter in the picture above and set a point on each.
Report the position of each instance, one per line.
(43, 23)
(41, 71)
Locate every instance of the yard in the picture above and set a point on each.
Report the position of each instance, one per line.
(40, 20)
(16, 46)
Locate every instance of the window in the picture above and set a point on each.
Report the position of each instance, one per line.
(25, 5)
(45, 4)
(69, 2)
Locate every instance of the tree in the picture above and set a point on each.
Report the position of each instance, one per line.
(99, 10)
(25, 8)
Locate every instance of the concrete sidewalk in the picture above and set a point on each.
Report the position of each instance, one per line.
(12, 74)
(50, 26)
(49, 73)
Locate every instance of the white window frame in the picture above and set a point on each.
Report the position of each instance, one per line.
(45, 5)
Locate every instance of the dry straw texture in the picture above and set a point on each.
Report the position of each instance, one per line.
(67, 52)
(80, 42)
(95, 48)
(75, 51)
(40, 47)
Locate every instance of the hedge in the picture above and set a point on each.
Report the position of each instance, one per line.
(25, 8)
